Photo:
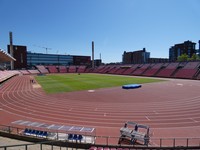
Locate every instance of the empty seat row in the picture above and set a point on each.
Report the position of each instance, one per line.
(37, 133)
(4, 75)
(75, 137)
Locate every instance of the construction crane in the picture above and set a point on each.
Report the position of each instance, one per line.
(46, 48)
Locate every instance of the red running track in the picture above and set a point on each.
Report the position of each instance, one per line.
(171, 108)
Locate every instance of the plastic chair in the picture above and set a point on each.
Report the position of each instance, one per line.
(70, 136)
(80, 137)
(75, 137)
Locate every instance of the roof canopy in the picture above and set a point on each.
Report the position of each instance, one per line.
(5, 57)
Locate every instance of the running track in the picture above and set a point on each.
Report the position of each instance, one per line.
(171, 108)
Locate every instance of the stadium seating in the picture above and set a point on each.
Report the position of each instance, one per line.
(4, 75)
(100, 69)
(72, 69)
(168, 71)
(153, 70)
(33, 132)
(42, 69)
(114, 69)
(198, 76)
(188, 71)
(130, 69)
(141, 69)
(25, 72)
(156, 70)
(75, 137)
(80, 137)
(70, 136)
(121, 70)
(52, 69)
(192, 65)
(62, 69)
(81, 69)
(107, 69)
(33, 71)
(89, 70)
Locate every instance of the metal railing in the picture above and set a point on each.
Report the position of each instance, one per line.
(49, 145)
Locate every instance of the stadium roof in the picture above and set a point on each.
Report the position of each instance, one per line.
(5, 57)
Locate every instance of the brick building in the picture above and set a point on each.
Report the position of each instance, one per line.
(135, 57)
(177, 50)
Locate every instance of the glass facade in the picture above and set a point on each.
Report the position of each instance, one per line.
(179, 52)
(48, 59)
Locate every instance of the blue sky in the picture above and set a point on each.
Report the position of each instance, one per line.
(115, 26)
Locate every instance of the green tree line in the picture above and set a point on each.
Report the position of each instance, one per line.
(185, 57)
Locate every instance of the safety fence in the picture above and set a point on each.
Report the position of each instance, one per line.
(56, 140)
(49, 145)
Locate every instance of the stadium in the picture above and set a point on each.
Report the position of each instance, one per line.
(166, 103)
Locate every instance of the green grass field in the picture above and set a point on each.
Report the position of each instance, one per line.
(74, 82)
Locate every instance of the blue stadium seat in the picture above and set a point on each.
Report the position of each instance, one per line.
(26, 131)
(80, 137)
(75, 137)
(70, 136)
(37, 132)
(45, 134)
(33, 132)
(40, 134)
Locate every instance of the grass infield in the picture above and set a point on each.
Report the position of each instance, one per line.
(75, 82)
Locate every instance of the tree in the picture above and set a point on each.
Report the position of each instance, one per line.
(194, 57)
(183, 57)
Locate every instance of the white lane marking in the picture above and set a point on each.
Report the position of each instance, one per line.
(147, 118)
(155, 112)
(193, 120)
(91, 91)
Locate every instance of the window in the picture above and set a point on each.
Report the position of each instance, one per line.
(22, 58)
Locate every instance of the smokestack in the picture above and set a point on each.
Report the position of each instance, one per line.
(93, 54)
(11, 50)
(199, 47)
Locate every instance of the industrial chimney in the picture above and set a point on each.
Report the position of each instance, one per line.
(93, 54)
(11, 50)
(199, 48)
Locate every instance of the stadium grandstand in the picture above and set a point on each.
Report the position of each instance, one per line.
(186, 70)
(4, 59)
